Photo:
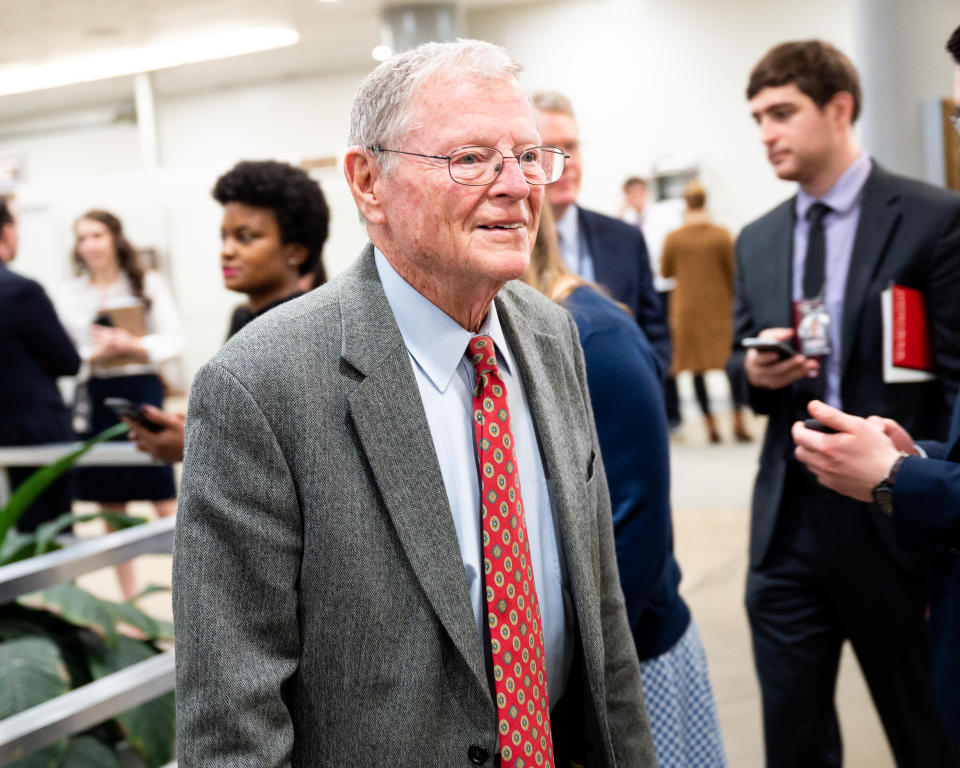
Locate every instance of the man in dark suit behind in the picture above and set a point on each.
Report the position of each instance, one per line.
(597, 247)
(356, 579)
(818, 574)
(34, 351)
(918, 486)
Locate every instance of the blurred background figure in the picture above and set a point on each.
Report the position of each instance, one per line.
(35, 350)
(699, 256)
(275, 222)
(655, 223)
(124, 323)
(596, 247)
(627, 400)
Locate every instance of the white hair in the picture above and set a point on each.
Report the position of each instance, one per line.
(381, 114)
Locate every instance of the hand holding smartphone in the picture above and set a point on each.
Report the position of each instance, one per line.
(782, 348)
(124, 409)
(819, 426)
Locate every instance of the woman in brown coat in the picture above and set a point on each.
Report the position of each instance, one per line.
(699, 256)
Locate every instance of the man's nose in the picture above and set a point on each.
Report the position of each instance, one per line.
(511, 180)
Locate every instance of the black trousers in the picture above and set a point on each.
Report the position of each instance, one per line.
(828, 578)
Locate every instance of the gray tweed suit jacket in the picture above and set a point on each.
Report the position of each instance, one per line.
(320, 601)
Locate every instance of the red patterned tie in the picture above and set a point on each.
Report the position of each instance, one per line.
(513, 612)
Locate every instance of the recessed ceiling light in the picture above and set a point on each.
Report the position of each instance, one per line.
(162, 54)
(382, 52)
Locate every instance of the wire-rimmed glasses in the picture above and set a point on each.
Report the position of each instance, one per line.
(480, 166)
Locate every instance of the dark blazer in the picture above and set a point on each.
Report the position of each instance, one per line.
(34, 351)
(908, 233)
(632, 427)
(926, 517)
(622, 266)
(322, 612)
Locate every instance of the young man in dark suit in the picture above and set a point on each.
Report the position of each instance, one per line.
(597, 247)
(819, 574)
(34, 350)
(918, 486)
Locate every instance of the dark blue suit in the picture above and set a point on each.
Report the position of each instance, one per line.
(622, 266)
(34, 351)
(926, 517)
(632, 429)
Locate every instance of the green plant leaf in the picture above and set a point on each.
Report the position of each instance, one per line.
(16, 546)
(45, 534)
(18, 620)
(150, 727)
(150, 589)
(48, 757)
(31, 672)
(88, 752)
(130, 614)
(80, 607)
(37, 483)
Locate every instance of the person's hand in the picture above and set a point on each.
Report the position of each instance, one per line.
(900, 437)
(165, 445)
(766, 370)
(851, 462)
(110, 343)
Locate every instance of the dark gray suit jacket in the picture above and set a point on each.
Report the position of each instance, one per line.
(908, 233)
(321, 605)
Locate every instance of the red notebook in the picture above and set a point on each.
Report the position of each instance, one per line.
(906, 341)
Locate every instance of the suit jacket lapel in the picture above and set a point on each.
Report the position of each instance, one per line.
(879, 215)
(779, 274)
(388, 415)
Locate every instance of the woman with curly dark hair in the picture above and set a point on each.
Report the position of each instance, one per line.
(275, 222)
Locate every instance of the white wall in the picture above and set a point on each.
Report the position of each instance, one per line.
(664, 77)
(648, 78)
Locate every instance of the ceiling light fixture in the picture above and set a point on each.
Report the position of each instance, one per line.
(162, 54)
(381, 53)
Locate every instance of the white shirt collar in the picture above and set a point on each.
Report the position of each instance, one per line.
(434, 339)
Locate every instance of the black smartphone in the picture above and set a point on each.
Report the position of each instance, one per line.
(814, 424)
(125, 409)
(782, 348)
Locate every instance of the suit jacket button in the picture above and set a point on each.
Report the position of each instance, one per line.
(477, 755)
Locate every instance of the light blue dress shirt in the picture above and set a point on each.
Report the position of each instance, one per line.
(573, 245)
(446, 378)
(840, 229)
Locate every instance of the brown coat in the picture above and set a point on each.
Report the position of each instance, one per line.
(699, 256)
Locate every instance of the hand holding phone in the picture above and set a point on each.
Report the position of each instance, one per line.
(819, 426)
(124, 409)
(782, 348)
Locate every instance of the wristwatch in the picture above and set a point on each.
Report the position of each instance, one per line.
(883, 492)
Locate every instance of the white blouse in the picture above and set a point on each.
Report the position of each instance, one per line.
(78, 301)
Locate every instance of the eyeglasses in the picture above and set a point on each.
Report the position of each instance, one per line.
(479, 166)
(955, 120)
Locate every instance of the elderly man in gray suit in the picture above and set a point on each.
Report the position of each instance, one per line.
(395, 543)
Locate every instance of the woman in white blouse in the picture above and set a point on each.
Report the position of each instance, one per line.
(124, 323)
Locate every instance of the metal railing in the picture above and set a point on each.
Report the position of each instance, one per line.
(103, 454)
(83, 707)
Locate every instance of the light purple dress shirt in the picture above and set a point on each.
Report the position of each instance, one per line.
(840, 229)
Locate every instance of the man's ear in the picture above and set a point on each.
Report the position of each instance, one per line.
(363, 175)
(841, 107)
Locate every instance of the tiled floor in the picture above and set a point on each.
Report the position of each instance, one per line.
(711, 492)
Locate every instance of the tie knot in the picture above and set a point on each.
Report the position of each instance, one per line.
(816, 212)
(483, 354)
